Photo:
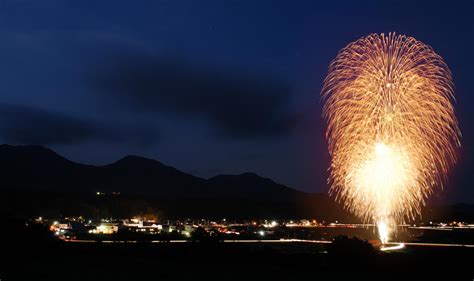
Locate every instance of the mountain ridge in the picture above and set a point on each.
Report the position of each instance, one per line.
(23, 156)
(49, 181)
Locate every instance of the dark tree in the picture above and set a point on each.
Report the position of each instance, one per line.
(350, 251)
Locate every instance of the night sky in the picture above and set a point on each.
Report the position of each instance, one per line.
(208, 87)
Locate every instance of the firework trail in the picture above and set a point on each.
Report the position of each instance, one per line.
(391, 127)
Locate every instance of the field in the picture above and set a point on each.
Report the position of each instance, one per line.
(48, 259)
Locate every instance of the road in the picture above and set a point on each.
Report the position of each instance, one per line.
(225, 241)
(391, 244)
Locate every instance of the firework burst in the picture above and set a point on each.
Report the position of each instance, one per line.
(391, 127)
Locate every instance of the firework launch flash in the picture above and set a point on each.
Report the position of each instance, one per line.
(391, 128)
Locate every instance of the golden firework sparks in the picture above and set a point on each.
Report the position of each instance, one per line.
(391, 127)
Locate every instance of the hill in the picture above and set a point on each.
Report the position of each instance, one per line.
(36, 179)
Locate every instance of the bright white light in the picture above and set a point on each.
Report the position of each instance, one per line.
(261, 232)
(381, 149)
(384, 178)
(384, 231)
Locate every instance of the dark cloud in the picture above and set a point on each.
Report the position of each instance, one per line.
(238, 105)
(27, 125)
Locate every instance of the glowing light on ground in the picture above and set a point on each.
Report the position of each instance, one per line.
(393, 248)
(391, 128)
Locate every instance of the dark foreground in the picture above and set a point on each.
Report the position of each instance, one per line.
(32, 256)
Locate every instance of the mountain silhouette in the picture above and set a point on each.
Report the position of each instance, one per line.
(39, 170)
